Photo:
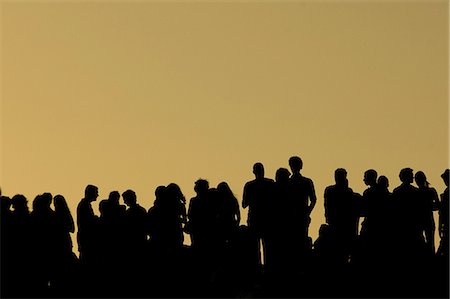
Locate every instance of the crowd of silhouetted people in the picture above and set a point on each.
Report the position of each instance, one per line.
(378, 244)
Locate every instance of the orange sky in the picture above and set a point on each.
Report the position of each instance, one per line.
(144, 93)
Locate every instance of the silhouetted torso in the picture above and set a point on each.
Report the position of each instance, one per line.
(257, 196)
(87, 230)
(301, 190)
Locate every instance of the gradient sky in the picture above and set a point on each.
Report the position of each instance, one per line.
(144, 93)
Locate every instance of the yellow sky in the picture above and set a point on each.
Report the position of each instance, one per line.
(140, 94)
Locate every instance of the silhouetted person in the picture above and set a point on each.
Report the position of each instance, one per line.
(88, 242)
(257, 196)
(115, 209)
(112, 245)
(430, 203)
(302, 197)
(135, 239)
(65, 259)
(282, 252)
(158, 232)
(7, 289)
(411, 216)
(165, 228)
(341, 214)
(114, 220)
(370, 205)
(443, 217)
(87, 221)
(135, 222)
(198, 214)
(442, 261)
(43, 232)
(229, 213)
(324, 249)
(374, 208)
(409, 248)
(64, 225)
(176, 206)
(20, 244)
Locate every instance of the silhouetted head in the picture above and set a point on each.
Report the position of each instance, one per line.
(91, 192)
(445, 176)
(370, 177)
(42, 202)
(103, 207)
(19, 203)
(282, 175)
(421, 179)
(258, 170)
(60, 203)
(174, 191)
(406, 175)
(201, 186)
(224, 189)
(159, 192)
(383, 182)
(114, 197)
(340, 177)
(5, 203)
(324, 230)
(296, 164)
(129, 197)
(47, 199)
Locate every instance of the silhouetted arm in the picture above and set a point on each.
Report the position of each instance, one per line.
(325, 204)
(245, 198)
(429, 229)
(71, 223)
(436, 203)
(237, 213)
(312, 197)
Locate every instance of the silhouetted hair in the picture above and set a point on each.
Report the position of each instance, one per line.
(383, 182)
(421, 179)
(225, 189)
(159, 191)
(282, 175)
(42, 202)
(340, 175)
(445, 175)
(5, 202)
(114, 197)
(19, 201)
(324, 229)
(370, 177)
(258, 169)
(103, 207)
(47, 199)
(129, 197)
(174, 190)
(406, 175)
(60, 203)
(90, 191)
(295, 163)
(201, 185)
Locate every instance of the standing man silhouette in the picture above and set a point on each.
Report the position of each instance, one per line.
(87, 237)
(257, 197)
(341, 214)
(302, 196)
(87, 224)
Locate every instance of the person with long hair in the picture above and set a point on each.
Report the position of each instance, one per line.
(229, 213)
(430, 202)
